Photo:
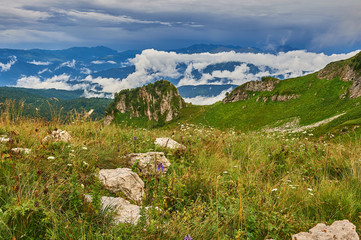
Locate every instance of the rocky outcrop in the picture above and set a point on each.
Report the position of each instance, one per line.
(244, 91)
(159, 102)
(149, 163)
(339, 230)
(58, 136)
(125, 212)
(346, 70)
(168, 143)
(123, 180)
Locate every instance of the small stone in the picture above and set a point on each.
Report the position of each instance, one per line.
(148, 163)
(58, 136)
(123, 180)
(4, 139)
(21, 150)
(168, 143)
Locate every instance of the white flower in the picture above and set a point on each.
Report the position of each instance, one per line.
(69, 164)
(309, 189)
(85, 163)
(275, 189)
(82, 185)
(85, 148)
(51, 158)
(310, 194)
(225, 172)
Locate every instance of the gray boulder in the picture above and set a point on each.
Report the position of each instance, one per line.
(339, 230)
(149, 163)
(123, 180)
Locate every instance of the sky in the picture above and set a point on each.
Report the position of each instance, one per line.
(329, 26)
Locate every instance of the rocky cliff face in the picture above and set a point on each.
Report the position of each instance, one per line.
(160, 102)
(347, 70)
(243, 92)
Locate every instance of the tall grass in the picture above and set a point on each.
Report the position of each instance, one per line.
(225, 185)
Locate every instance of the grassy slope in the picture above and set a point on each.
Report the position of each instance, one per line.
(319, 100)
(225, 185)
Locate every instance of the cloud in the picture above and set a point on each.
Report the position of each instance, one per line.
(70, 64)
(102, 62)
(40, 63)
(153, 65)
(203, 100)
(57, 82)
(106, 17)
(6, 66)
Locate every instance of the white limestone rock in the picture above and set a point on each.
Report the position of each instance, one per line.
(149, 163)
(125, 211)
(123, 180)
(339, 230)
(58, 136)
(168, 143)
(21, 150)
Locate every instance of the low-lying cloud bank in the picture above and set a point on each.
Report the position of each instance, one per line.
(180, 69)
(204, 100)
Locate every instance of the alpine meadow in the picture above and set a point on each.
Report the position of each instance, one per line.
(180, 120)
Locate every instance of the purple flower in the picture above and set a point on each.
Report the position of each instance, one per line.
(135, 138)
(160, 167)
(188, 237)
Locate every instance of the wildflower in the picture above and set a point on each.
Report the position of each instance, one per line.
(135, 138)
(51, 158)
(274, 190)
(188, 237)
(69, 164)
(310, 194)
(225, 172)
(85, 163)
(85, 148)
(309, 189)
(160, 166)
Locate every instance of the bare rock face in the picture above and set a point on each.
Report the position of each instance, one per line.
(58, 136)
(243, 92)
(125, 211)
(149, 163)
(168, 143)
(158, 102)
(123, 180)
(339, 230)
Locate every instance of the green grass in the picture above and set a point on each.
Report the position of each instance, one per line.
(223, 186)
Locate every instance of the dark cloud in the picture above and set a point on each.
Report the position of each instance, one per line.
(324, 25)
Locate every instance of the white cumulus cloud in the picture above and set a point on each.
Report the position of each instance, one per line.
(152, 65)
